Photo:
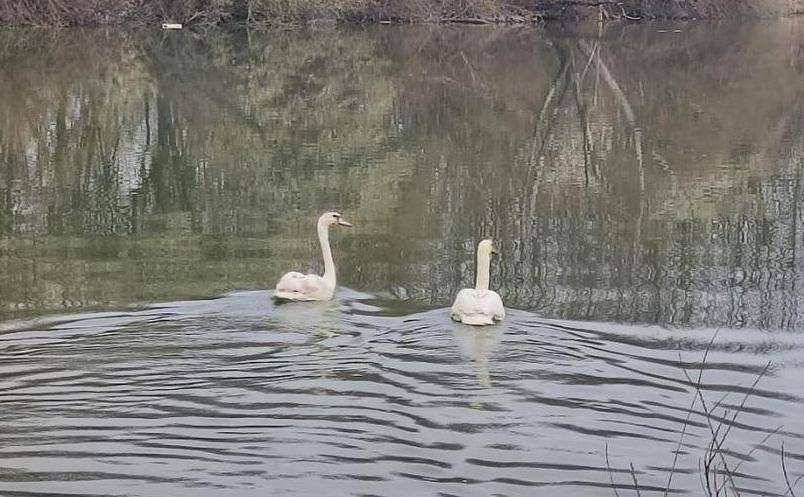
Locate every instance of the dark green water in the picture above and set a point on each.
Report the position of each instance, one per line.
(644, 183)
(153, 166)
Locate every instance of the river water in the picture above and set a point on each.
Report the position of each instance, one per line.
(643, 183)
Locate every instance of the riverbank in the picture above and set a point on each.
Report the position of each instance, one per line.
(204, 13)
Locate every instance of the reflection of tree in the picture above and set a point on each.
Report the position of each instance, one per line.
(615, 168)
(611, 222)
(196, 167)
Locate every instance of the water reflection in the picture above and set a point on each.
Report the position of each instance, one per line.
(477, 345)
(631, 175)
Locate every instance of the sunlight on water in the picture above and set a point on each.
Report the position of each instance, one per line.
(643, 185)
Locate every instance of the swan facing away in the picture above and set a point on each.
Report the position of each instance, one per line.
(479, 306)
(298, 286)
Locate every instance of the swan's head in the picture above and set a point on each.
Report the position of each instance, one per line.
(330, 218)
(487, 247)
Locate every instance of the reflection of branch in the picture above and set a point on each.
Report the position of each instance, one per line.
(548, 100)
(627, 110)
(542, 121)
(589, 61)
(583, 121)
(615, 87)
(471, 69)
(627, 16)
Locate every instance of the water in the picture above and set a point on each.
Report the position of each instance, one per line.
(644, 185)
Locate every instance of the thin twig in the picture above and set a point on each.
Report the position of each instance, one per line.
(745, 398)
(689, 411)
(700, 475)
(680, 438)
(786, 478)
(757, 446)
(715, 442)
(795, 484)
(742, 404)
(720, 400)
(611, 475)
(636, 483)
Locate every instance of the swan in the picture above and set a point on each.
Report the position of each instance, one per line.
(305, 287)
(479, 306)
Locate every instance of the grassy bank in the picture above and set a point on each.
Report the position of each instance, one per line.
(271, 12)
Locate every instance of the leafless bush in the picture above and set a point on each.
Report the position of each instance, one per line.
(719, 474)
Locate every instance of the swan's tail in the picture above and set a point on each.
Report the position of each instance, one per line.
(477, 319)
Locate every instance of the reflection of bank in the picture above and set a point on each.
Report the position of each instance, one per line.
(153, 183)
(639, 199)
(477, 345)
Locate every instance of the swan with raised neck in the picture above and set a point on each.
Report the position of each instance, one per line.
(479, 306)
(305, 287)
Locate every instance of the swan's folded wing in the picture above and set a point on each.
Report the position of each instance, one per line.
(494, 305)
(297, 286)
(463, 304)
(291, 282)
(477, 306)
(314, 284)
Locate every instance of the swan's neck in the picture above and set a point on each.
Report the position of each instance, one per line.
(483, 266)
(326, 251)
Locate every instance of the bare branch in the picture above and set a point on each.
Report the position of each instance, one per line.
(611, 475)
(786, 478)
(716, 442)
(757, 446)
(636, 483)
(681, 437)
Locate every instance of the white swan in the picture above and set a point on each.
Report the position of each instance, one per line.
(298, 286)
(479, 306)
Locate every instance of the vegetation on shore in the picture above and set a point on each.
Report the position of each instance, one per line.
(272, 12)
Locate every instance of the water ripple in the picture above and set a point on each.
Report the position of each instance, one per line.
(236, 396)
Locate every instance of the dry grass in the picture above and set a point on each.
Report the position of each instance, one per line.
(718, 465)
(266, 12)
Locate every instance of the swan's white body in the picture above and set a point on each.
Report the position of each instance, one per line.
(479, 306)
(306, 287)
